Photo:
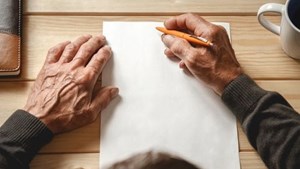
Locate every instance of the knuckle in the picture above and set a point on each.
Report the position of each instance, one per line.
(100, 39)
(69, 51)
(221, 28)
(192, 58)
(86, 80)
(190, 15)
(101, 60)
(169, 53)
(177, 47)
(92, 72)
(77, 62)
(53, 51)
(217, 30)
(87, 49)
(71, 47)
(83, 81)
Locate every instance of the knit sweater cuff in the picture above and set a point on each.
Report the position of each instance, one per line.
(241, 95)
(27, 131)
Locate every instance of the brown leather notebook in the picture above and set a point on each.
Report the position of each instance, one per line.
(10, 37)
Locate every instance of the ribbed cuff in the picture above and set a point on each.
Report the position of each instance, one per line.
(241, 95)
(26, 133)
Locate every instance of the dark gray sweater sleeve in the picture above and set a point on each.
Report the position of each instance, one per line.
(21, 137)
(270, 123)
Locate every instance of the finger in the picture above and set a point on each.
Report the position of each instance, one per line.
(87, 50)
(98, 61)
(104, 97)
(185, 69)
(182, 65)
(169, 53)
(191, 22)
(55, 52)
(178, 46)
(72, 48)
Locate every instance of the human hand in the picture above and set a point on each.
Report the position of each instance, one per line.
(66, 94)
(216, 65)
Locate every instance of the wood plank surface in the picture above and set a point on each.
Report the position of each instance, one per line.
(46, 23)
(249, 160)
(66, 161)
(257, 50)
(142, 7)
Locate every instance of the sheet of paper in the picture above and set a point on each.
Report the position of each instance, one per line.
(160, 107)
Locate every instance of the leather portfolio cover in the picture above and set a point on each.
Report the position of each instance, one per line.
(10, 37)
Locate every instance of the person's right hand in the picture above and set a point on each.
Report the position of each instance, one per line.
(216, 65)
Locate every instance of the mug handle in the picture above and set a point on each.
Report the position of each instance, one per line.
(270, 7)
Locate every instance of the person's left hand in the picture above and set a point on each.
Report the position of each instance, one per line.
(66, 94)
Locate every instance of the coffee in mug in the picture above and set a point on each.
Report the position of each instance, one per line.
(294, 13)
(289, 29)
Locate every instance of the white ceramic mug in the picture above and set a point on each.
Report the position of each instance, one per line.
(289, 29)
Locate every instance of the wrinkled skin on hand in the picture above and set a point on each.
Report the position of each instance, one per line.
(66, 94)
(217, 65)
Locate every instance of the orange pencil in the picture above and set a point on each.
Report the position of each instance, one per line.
(191, 38)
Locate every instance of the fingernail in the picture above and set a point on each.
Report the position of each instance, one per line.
(168, 37)
(181, 64)
(107, 50)
(166, 22)
(101, 36)
(167, 40)
(114, 92)
(166, 50)
(87, 36)
(108, 47)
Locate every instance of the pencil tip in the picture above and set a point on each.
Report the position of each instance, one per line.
(161, 29)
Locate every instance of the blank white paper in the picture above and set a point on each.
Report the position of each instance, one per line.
(160, 107)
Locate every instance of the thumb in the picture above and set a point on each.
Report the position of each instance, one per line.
(180, 47)
(103, 97)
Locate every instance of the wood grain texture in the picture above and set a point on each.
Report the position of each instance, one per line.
(244, 144)
(139, 7)
(66, 161)
(249, 160)
(257, 50)
(47, 23)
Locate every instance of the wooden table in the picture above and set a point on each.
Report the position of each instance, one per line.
(49, 22)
